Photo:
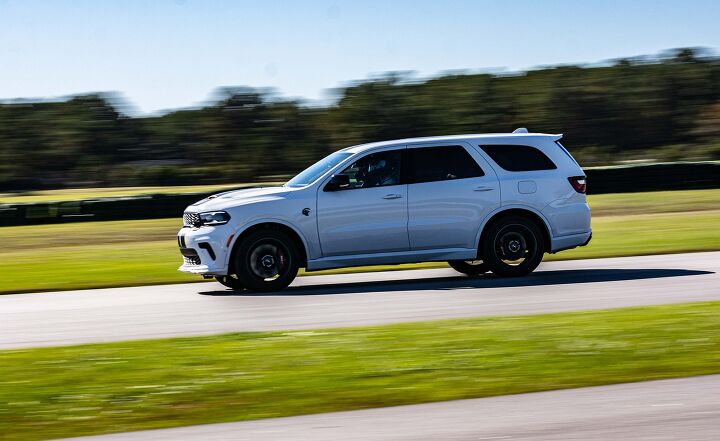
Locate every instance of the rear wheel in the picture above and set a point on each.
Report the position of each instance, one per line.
(266, 261)
(469, 267)
(231, 281)
(513, 246)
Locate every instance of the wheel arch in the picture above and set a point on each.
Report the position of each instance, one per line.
(526, 212)
(269, 224)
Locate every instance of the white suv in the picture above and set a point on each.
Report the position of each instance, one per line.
(494, 202)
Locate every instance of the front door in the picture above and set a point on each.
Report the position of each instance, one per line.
(368, 215)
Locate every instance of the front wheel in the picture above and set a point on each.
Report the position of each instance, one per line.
(266, 261)
(513, 246)
(469, 267)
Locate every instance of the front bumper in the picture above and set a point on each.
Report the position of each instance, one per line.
(204, 250)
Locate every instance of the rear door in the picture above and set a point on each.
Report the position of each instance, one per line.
(451, 189)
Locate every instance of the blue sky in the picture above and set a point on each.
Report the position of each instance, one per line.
(168, 54)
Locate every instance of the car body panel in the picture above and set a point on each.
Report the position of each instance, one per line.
(363, 221)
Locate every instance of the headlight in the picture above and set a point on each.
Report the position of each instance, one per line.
(214, 218)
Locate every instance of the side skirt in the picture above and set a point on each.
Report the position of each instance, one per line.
(437, 255)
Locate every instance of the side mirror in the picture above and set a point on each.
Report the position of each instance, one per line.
(338, 182)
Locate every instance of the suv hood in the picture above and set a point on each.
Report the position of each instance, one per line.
(239, 197)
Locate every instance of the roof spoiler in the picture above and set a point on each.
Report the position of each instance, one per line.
(555, 137)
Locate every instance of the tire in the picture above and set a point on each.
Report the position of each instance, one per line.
(266, 261)
(231, 281)
(513, 246)
(469, 267)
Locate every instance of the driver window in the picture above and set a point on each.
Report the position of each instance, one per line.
(375, 170)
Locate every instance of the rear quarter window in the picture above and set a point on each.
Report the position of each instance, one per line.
(519, 158)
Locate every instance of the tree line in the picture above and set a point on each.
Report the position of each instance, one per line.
(663, 107)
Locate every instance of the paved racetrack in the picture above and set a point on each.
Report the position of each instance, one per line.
(72, 317)
(680, 409)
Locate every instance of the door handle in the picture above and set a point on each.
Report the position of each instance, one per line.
(392, 196)
(483, 189)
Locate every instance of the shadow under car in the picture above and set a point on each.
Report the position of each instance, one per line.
(540, 278)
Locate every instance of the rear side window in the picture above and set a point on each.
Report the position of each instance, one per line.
(519, 157)
(431, 164)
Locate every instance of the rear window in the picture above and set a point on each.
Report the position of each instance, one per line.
(518, 158)
(431, 164)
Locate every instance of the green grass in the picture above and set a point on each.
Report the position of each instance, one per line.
(55, 392)
(604, 204)
(98, 233)
(78, 194)
(126, 253)
(635, 235)
(654, 202)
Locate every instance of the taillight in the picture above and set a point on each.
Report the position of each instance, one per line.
(578, 183)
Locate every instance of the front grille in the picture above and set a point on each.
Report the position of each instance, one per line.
(190, 219)
(191, 260)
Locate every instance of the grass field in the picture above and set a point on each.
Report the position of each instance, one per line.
(654, 202)
(626, 203)
(54, 392)
(123, 253)
(78, 194)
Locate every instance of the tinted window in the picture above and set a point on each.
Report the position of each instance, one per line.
(518, 157)
(375, 170)
(440, 164)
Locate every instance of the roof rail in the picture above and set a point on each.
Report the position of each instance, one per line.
(520, 130)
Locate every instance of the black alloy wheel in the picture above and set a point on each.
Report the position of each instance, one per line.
(513, 246)
(266, 261)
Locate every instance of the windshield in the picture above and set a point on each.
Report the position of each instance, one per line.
(310, 174)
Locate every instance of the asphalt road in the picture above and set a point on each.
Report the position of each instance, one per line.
(680, 409)
(71, 317)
